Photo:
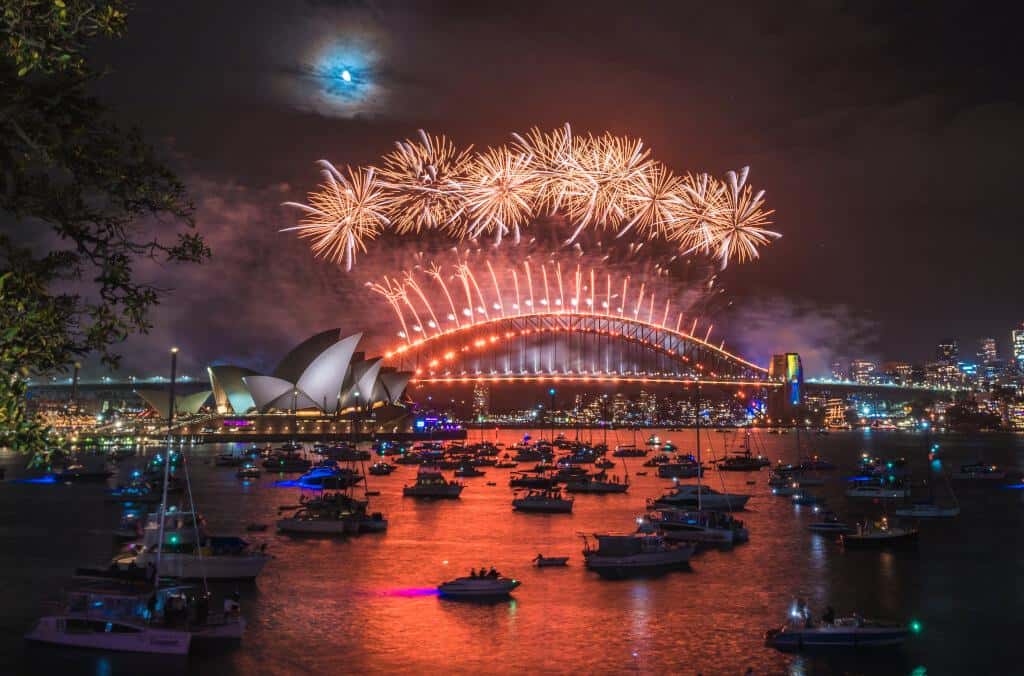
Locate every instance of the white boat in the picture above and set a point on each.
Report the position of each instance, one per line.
(545, 500)
(318, 522)
(927, 510)
(619, 556)
(430, 483)
(215, 558)
(482, 586)
(84, 631)
(843, 632)
(716, 528)
(879, 534)
(687, 496)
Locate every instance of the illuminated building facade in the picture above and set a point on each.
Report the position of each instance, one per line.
(862, 370)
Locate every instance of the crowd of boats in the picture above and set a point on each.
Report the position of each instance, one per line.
(145, 598)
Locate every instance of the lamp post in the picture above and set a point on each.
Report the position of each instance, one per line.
(551, 413)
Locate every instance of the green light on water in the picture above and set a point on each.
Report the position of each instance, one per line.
(915, 626)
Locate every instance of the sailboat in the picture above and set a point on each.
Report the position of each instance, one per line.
(929, 509)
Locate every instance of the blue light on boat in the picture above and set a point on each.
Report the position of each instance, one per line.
(1015, 487)
(47, 479)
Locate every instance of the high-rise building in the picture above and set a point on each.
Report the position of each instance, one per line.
(481, 401)
(837, 370)
(948, 351)
(987, 351)
(898, 372)
(861, 370)
(1017, 339)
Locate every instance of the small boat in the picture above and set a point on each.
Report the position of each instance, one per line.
(629, 452)
(430, 483)
(927, 510)
(520, 480)
(877, 490)
(480, 587)
(248, 471)
(680, 470)
(468, 471)
(287, 462)
(506, 464)
(743, 462)
(592, 484)
(546, 501)
(802, 498)
(228, 460)
(715, 528)
(879, 534)
(329, 475)
(621, 556)
(979, 470)
(542, 561)
(641, 473)
(130, 526)
(844, 632)
(830, 524)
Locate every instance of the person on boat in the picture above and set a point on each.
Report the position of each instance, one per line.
(492, 572)
(472, 572)
(829, 617)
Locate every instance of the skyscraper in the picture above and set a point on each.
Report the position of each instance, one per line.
(987, 351)
(948, 351)
(1017, 339)
(481, 401)
(837, 370)
(861, 370)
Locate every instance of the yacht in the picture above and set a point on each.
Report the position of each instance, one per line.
(467, 470)
(288, 461)
(681, 469)
(521, 480)
(248, 471)
(84, 473)
(483, 586)
(381, 469)
(743, 462)
(430, 483)
(842, 633)
(877, 490)
(701, 497)
(547, 500)
(879, 534)
(214, 558)
(620, 556)
(718, 528)
(329, 475)
(629, 452)
(979, 470)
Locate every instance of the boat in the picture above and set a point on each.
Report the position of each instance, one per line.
(594, 484)
(802, 498)
(979, 470)
(604, 463)
(130, 525)
(743, 462)
(660, 459)
(816, 463)
(927, 510)
(79, 472)
(212, 557)
(685, 469)
(547, 500)
(506, 464)
(879, 534)
(480, 587)
(329, 475)
(629, 451)
(289, 461)
(877, 489)
(542, 561)
(248, 471)
(465, 471)
(430, 483)
(381, 469)
(801, 632)
(717, 528)
(830, 524)
(521, 480)
(700, 497)
(621, 556)
(228, 460)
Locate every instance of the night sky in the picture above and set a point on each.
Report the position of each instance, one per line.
(886, 136)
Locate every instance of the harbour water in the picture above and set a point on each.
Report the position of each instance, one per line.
(366, 604)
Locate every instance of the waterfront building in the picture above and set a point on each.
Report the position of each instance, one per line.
(861, 370)
(1017, 341)
(948, 350)
(481, 401)
(838, 372)
(988, 352)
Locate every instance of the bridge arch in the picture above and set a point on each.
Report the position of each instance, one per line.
(572, 345)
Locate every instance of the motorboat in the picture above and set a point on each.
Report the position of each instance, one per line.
(329, 475)
(743, 462)
(816, 463)
(830, 524)
(786, 490)
(381, 469)
(844, 632)
(877, 489)
(628, 451)
(480, 587)
(506, 464)
(803, 498)
(686, 496)
(547, 501)
(879, 534)
(465, 471)
(430, 483)
(228, 460)
(542, 561)
(130, 525)
(604, 463)
(136, 491)
(620, 556)
(660, 459)
(685, 469)
(979, 470)
(716, 528)
(594, 484)
(248, 471)
(927, 510)
(313, 521)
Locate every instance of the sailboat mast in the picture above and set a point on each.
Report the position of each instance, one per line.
(167, 466)
(700, 464)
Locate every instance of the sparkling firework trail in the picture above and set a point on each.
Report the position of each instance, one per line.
(596, 182)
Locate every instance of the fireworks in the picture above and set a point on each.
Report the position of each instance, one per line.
(344, 214)
(603, 182)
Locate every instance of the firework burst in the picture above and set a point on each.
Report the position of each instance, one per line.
(739, 229)
(500, 193)
(344, 214)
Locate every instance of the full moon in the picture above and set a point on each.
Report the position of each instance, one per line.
(346, 76)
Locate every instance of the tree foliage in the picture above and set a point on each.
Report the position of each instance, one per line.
(82, 203)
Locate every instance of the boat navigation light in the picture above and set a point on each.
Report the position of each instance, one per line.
(915, 626)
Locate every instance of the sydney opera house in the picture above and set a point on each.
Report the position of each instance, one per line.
(324, 385)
